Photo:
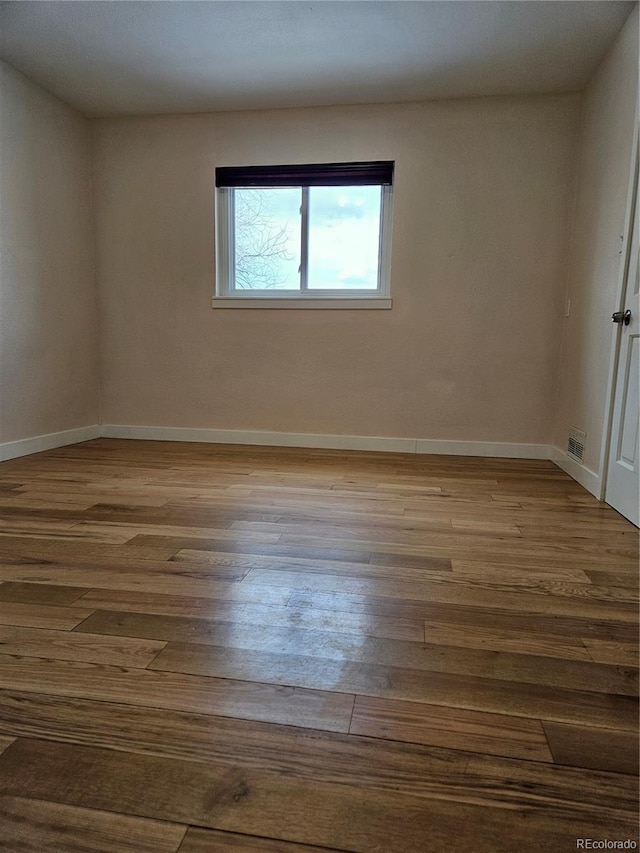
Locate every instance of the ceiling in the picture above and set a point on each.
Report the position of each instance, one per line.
(178, 56)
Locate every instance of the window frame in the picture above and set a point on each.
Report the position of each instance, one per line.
(227, 296)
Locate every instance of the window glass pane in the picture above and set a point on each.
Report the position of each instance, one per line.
(344, 232)
(267, 238)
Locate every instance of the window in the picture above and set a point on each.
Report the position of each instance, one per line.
(314, 236)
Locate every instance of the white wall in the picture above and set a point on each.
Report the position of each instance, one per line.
(606, 138)
(470, 349)
(48, 307)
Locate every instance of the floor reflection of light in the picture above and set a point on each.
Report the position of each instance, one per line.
(286, 647)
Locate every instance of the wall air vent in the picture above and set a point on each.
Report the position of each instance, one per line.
(575, 444)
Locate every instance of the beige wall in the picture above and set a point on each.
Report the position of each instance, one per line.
(470, 349)
(48, 316)
(603, 177)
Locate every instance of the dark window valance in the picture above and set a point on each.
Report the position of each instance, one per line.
(376, 172)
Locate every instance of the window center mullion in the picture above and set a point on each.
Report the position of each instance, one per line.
(304, 238)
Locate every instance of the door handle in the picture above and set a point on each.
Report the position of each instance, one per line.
(623, 317)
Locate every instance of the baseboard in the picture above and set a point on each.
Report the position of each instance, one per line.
(268, 439)
(38, 443)
(329, 442)
(591, 481)
(500, 450)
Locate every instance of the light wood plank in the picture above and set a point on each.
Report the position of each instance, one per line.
(213, 841)
(129, 530)
(601, 749)
(5, 742)
(35, 826)
(52, 549)
(625, 576)
(168, 578)
(244, 699)
(505, 781)
(73, 646)
(42, 615)
(224, 570)
(452, 594)
(412, 722)
(603, 651)
(36, 593)
(249, 547)
(517, 642)
(233, 612)
(572, 628)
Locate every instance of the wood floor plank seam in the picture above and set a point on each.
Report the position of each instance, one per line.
(292, 846)
(155, 656)
(84, 619)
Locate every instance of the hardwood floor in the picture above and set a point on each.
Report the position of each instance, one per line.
(211, 648)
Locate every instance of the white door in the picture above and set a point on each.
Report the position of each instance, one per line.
(623, 482)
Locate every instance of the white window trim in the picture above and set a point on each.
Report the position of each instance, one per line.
(226, 296)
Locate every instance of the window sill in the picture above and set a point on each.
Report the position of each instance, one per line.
(304, 303)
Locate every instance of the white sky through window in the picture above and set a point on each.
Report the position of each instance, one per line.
(343, 245)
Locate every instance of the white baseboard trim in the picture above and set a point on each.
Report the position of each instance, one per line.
(500, 450)
(38, 443)
(259, 437)
(591, 481)
(329, 442)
